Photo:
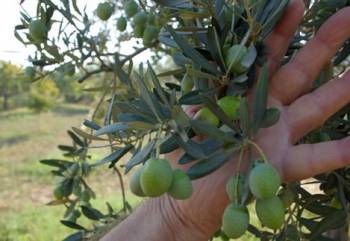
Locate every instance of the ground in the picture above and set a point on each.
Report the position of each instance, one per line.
(26, 185)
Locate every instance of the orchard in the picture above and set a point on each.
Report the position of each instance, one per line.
(217, 64)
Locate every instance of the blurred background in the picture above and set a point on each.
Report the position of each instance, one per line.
(34, 118)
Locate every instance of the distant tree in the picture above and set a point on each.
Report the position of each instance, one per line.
(12, 82)
(43, 95)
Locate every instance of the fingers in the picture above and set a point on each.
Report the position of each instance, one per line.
(278, 41)
(296, 77)
(312, 110)
(308, 160)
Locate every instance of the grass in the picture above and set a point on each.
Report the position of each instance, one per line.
(26, 185)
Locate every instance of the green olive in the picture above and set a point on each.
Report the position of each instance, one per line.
(234, 57)
(187, 83)
(264, 181)
(135, 184)
(140, 19)
(131, 8)
(206, 115)
(121, 24)
(38, 31)
(181, 186)
(235, 188)
(230, 105)
(235, 221)
(150, 35)
(138, 31)
(270, 212)
(104, 11)
(156, 177)
(58, 191)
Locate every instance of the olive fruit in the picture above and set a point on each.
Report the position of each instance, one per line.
(85, 196)
(230, 105)
(38, 30)
(135, 184)
(104, 11)
(264, 181)
(235, 188)
(29, 72)
(131, 8)
(138, 31)
(151, 19)
(76, 213)
(181, 186)
(206, 115)
(150, 35)
(187, 83)
(234, 57)
(58, 191)
(270, 212)
(156, 177)
(235, 221)
(140, 19)
(121, 24)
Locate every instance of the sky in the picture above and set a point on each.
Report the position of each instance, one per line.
(10, 48)
(13, 50)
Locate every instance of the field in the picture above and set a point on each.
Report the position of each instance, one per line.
(26, 185)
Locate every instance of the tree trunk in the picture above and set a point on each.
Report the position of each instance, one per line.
(5, 104)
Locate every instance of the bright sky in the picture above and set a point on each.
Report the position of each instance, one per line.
(13, 50)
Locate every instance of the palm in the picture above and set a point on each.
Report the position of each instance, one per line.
(300, 113)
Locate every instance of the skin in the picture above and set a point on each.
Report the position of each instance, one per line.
(301, 112)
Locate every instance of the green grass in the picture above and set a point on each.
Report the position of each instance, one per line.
(26, 185)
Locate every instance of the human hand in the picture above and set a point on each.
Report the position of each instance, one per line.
(301, 112)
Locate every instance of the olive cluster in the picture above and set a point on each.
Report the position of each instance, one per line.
(157, 177)
(264, 182)
(144, 24)
(228, 104)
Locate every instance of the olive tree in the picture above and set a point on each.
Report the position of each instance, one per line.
(218, 53)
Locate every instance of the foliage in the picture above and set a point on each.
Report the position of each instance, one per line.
(12, 82)
(43, 95)
(217, 45)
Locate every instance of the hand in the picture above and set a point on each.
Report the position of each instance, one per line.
(301, 112)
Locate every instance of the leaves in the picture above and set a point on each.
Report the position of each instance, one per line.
(111, 129)
(191, 52)
(260, 98)
(210, 164)
(79, 236)
(215, 48)
(72, 225)
(114, 157)
(271, 117)
(91, 213)
(140, 156)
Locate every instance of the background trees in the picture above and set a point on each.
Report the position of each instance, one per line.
(136, 103)
(13, 82)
